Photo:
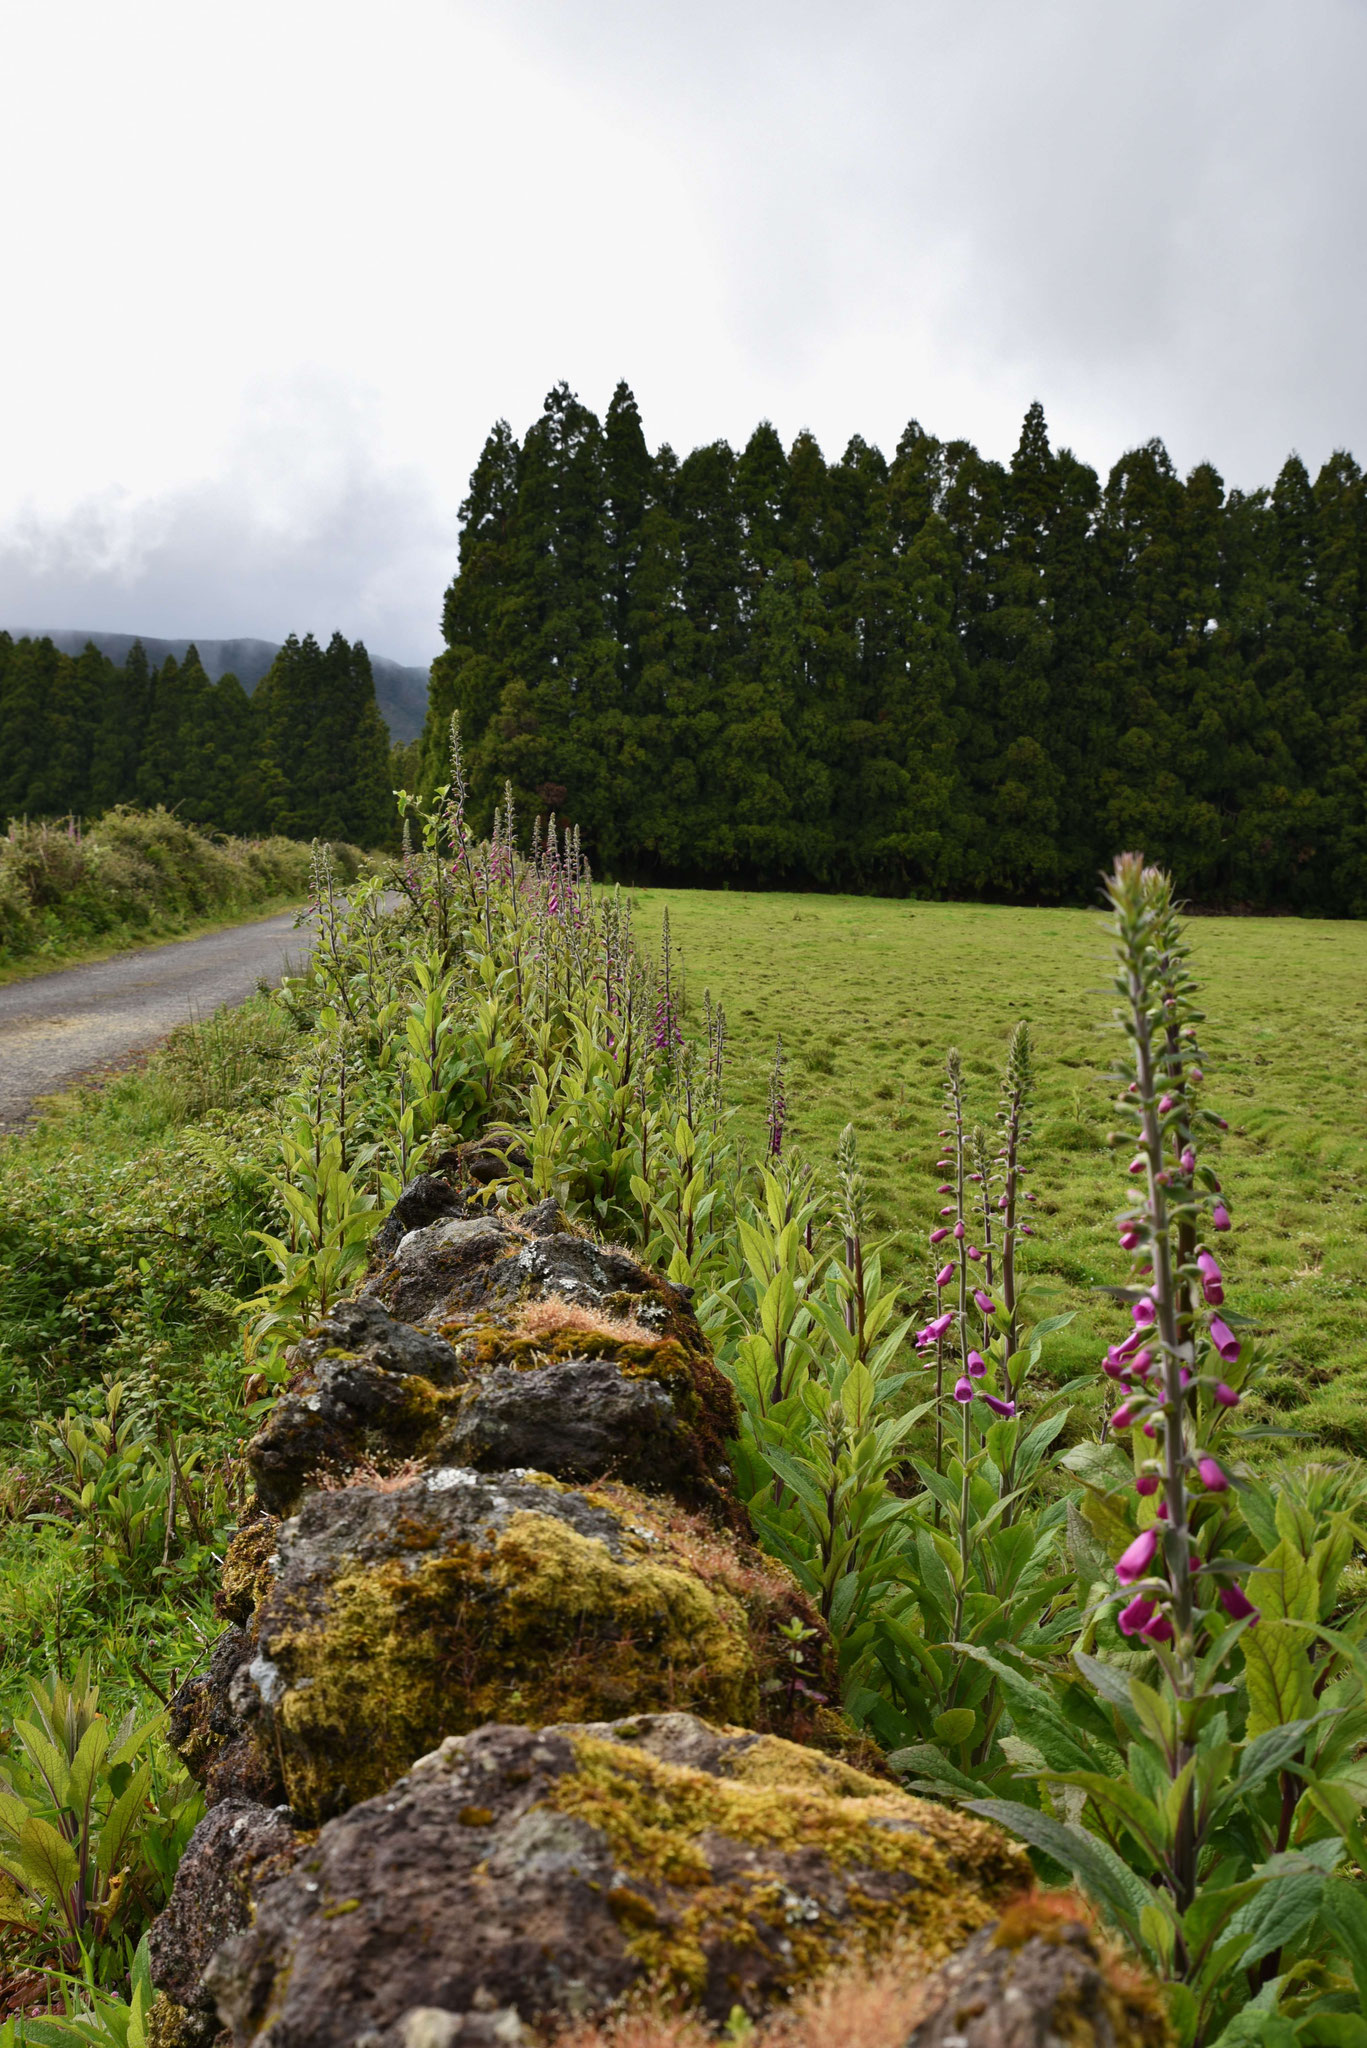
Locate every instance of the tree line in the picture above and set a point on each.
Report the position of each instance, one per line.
(307, 755)
(937, 674)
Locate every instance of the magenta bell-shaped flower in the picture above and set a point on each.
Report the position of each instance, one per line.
(1211, 1280)
(1237, 1604)
(946, 1187)
(1000, 1407)
(1113, 1365)
(1226, 1396)
(1129, 1240)
(972, 1252)
(1159, 1630)
(1139, 1163)
(1135, 1616)
(1188, 1159)
(948, 1209)
(940, 1324)
(1146, 1483)
(944, 1276)
(1162, 1511)
(1224, 1339)
(939, 1236)
(1167, 1102)
(959, 1231)
(985, 1302)
(1212, 1476)
(977, 1364)
(963, 1390)
(1219, 1217)
(1143, 1311)
(1133, 1563)
(1123, 1416)
(1142, 1362)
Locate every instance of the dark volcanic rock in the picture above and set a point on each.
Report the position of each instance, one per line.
(237, 1849)
(549, 1872)
(1037, 1979)
(425, 1200)
(580, 1419)
(367, 1392)
(207, 1728)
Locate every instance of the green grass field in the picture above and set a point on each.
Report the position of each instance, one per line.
(868, 994)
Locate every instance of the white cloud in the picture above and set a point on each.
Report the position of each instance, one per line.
(274, 271)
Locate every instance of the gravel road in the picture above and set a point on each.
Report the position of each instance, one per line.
(58, 1028)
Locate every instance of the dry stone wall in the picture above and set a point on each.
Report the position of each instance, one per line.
(502, 1728)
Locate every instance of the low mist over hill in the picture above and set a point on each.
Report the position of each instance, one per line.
(400, 692)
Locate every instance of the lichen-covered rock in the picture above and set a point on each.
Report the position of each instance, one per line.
(1037, 1978)
(397, 1616)
(579, 1418)
(238, 1848)
(214, 1738)
(550, 1872)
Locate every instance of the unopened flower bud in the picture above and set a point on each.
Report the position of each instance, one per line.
(1226, 1396)
(939, 1236)
(1133, 1563)
(1211, 1280)
(959, 1230)
(1188, 1160)
(944, 1276)
(1159, 1630)
(1135, 1616)
(1219, 1217)
(1237, 1604)
(1212, 1476)
(1146, 1483)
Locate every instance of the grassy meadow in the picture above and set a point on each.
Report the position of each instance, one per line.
(867, 994)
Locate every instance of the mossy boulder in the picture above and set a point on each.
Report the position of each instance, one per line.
(547, 1873)
(237, 1849)
(396, 1616)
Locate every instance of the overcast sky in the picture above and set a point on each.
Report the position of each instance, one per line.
(272, 270)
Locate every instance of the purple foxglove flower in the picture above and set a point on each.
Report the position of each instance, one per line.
(1237, 1604)
(1146, 1483)
(1001, 1201)
(1184, 1377)
(1168, 1102)
(1212, 1476)
(1196, 1075)
(1224, 1339)
(939, 1236)
(941, 1323)
(1113, 1365)
(959, 1232)
(1142, 1362)
(1219, 1217)
(1138, 1163)
(1162, 1511)
(1031, 1198)
(1136, 1616)
(985, 1302)
(971, 1252)
(963, 1390)
(977, 1364)
(1129, 1239)
(1159, 1630)
(1226, 1396)
(1122, 1417)
(1133, 1563)
(1150, 1428)
(1188, 1159)
(1143, 1311)
(1027, 1230)
(975, 1176)
(948, 1209)
(1211, 1280)
(946, 1187)
(944, 1276)
(998, 1407)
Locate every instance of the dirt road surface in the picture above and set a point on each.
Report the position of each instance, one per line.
(60, 1028)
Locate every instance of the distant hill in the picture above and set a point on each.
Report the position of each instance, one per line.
(400, 692)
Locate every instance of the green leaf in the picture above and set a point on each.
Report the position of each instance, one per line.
(1280, 1910)
(1278, 1675)
(1345, 1915)
(48, 1860)
(956, 1724)
(1098, 1869)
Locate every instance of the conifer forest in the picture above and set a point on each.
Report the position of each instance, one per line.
(937, 674)
(307, 756)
